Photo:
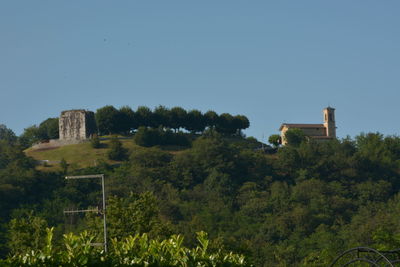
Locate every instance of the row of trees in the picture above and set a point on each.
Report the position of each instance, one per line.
(124, 120)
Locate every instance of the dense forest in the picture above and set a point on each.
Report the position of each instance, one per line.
(299, 205)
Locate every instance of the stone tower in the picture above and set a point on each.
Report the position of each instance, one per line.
(329, 122)
(77, 124)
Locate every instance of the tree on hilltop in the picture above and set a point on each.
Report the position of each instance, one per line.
(225, 124)
(211, 118)
(7, 134)
(161, 117)
(144, 117)
(295, 137)
(29, 136)
(240, 122)
(107, 120)
(49, 129)
(275, 140)
(195, 121)
(126, 120)
(178, 118)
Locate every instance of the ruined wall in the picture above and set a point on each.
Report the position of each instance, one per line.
(76, 124)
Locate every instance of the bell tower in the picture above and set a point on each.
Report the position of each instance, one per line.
(329, 122)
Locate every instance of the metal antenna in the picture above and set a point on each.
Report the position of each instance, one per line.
(93, 210)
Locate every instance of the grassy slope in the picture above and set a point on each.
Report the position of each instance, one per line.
(83, 155)
(77, 156)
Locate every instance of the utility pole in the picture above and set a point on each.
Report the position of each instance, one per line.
(101, 176)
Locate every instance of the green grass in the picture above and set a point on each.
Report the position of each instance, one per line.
(77, 156)
(83, 155)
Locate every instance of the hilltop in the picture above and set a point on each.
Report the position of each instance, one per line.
(173, 130)
(77, 156)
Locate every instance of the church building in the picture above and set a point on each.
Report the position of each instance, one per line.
(323, 131)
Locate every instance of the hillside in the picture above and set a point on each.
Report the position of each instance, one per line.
(301, 206)
(80, 156)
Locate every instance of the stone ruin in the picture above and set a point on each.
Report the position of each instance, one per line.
(77, 124)
(75, 127)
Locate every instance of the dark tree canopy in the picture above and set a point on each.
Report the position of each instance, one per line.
(49, 129)
(7, 134)
(300, 206)
(144, 117)
(295, 137)
(107, 120)
(195, 121)
(211, 118)
(241, 122)
(226, 124)
(156, 136)
(162, 117)
(275, 140)
(29, 136)
(178, 117)
(126, 120)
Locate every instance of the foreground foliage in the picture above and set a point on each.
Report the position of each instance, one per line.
(136, 250)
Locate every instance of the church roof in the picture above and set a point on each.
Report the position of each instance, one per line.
(301, 125)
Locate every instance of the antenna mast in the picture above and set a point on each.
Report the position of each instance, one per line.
(101, 176)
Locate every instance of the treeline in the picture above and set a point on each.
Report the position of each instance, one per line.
(125, 120)
(156, 124)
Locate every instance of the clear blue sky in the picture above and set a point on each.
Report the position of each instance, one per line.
(273, 61)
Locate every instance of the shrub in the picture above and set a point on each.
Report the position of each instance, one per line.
(64, 165)
(295, 137)
(95, 141)
(146, 137)
(275, 140)
(138, 250)
(155, 137)
(117, 151)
